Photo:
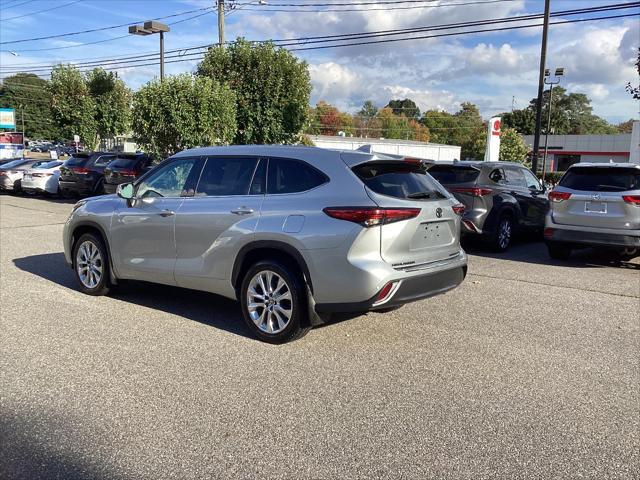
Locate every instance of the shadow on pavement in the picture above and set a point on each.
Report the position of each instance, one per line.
(202, 307)
(528, 251)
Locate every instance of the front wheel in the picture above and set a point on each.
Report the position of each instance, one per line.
(91, 265)
(273, 302)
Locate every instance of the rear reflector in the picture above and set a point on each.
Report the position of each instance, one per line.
(371, 216)
(386, 293)
(634, 199)
(473, 191)
(458, 209)
(559, 196)
(548, 232)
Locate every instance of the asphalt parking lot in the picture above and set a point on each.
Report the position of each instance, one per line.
(529, 370)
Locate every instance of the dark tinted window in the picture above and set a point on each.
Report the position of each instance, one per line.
(515, 177)
(259, 179)
(497, 175)
(77, 160)
(398, 179)
(531, 180)
(290, 176)
(104, 160)
(226, 176)
(135, 162)
(601, 179)
(449, 174)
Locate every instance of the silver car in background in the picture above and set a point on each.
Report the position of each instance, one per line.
(596, 205)
(42, 178)
(294, 233)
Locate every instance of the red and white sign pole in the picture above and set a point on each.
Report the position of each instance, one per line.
(493, 141)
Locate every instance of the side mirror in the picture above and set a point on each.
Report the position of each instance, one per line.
(125, 190)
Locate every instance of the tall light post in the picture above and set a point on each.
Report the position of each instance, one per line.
(149, 28)
(547, 73)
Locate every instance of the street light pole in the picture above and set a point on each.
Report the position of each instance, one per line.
(161, 56)
(558, 73)
(221, 22)
(149, 28)
(543, 59)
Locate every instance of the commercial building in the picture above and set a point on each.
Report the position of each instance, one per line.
(409, 148)
(565, 150)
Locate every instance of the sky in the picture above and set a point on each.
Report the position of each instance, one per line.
(495, 70)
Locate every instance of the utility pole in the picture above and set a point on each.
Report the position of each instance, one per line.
(22, 108)
(543, 60)
(221, 22)
(161, 55)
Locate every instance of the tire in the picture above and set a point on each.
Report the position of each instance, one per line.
(90, 251)
(502, 237)
(559, 251)
(628, 253)
(267, 318)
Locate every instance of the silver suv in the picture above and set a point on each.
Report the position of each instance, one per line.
(294, 233)
(595, 204)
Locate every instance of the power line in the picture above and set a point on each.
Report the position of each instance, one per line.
(267, 8)
(6, 7)
(30, 14)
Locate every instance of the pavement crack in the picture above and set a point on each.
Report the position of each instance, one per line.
(554, 285)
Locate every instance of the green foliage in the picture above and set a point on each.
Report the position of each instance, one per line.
(626, 127)
(272, 89)
(405, 107)
(72, 105)
(30, 94)
(512, 147)
(553, 177)
(393, 126)
(183, 112)
(368, 110)
(113, 102)
(464, 128)
(632, 89)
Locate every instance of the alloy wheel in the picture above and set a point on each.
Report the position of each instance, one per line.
(504, 233)
(269, 302)
(89, 264)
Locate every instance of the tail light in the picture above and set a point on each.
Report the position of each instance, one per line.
(42, 174)
(128, 171)
(559, 196)
(371, 216)
(633, 199)
(458, 209)
(473, 191)
(548, 232)
(80, 170)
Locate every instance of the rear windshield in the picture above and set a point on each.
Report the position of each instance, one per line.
(399, 180)
(448, 174)
(125, 162)
(76, 160)
(47, 164)
(601, 179)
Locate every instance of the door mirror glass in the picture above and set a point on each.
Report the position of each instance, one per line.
(125, 190)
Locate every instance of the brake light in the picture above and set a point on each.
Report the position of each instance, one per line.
(127, 171)
(558, 196)
(371, 216)
(80, 170)
(548, 232)
(458, 209)
(633, 199)
(42, 174)
(473, 191)
(412, 161)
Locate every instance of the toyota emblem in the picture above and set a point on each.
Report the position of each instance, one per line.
(596, 196)
(438, 212)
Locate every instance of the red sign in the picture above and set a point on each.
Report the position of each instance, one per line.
(495, 128)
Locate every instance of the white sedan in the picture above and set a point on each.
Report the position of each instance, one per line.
(11, 173)
(42, 177)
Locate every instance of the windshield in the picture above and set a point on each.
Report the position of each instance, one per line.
(399, 180)
(449, 174)
(125, 163)
(601, 179)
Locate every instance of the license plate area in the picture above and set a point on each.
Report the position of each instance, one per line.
(595, 207)
(431, 234)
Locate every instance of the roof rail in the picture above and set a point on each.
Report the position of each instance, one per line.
(368, 148)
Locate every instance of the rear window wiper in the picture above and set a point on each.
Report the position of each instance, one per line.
(424, 195)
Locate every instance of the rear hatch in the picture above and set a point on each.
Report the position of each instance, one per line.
(601, 197)
(432, 234)
(75, 167)
(460, 180)
(122, 170)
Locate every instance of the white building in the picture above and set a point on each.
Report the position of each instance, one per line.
(409, 148)
(565, 150)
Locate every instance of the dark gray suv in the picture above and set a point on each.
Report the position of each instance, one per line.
(500, 198)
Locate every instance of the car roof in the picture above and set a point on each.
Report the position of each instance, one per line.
(605, 165)
(477, 163)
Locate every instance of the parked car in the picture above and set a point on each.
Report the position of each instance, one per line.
(293, 233)
(42, 178)
(126, 168)
(83, 173)
(500, 198)
(597, 205)
(11, 173)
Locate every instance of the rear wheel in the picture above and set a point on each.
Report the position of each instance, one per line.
(559, 251)
(273, 302)
(91, 265)
(628, 253)
(504, 233)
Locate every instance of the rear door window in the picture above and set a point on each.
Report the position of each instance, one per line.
(531, 180)
(601, 179)
(399, 180)
(452, 174)
(223, 176)
(515, 178)
(292, 176)
(497, 175)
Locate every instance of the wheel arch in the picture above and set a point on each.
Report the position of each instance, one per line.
(83, 227)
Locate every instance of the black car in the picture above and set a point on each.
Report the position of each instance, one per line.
(500, 198)
(126, 168)
(83, 173)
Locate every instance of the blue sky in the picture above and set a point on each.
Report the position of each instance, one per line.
(492, 70)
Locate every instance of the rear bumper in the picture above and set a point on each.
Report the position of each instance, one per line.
(590, 238)
(411, 289)
(77, 187)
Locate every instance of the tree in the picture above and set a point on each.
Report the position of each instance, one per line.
(512, 146)
(464, 128)
(325, 119)
(272, 89)
(626, 127)
(419, 132)
(183, 112)
(368, 110)
(29, 94)
(524, 120)
(393, 126)
(633, 90)
(405, 107)
(72, 107)
(113, 103)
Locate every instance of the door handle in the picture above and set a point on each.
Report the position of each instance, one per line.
(242, 211)
(167, 213)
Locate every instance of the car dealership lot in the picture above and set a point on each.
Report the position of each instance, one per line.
(528, 369)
